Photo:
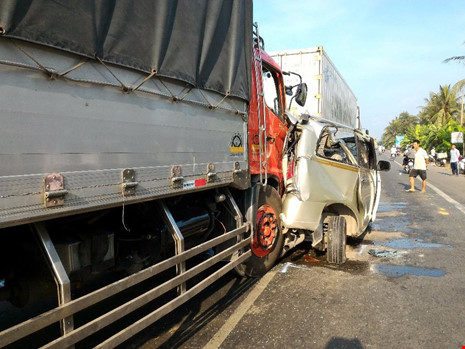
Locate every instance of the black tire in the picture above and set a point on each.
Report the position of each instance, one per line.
(336, 235)
(256, 266)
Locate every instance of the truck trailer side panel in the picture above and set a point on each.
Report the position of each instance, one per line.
(124, 169)
(329, 96)
(85, 127)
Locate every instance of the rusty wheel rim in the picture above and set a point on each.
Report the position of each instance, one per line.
(266, 231)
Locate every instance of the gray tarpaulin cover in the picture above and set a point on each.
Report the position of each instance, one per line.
(207, 44)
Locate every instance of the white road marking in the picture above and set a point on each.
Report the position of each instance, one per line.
(446, 197)
(239, 313)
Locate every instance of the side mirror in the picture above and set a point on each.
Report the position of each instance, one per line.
(289, 90)
(301, 94)
(383, 165)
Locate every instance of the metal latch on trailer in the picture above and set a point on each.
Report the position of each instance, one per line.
(238, 173)
(211, 173)
(128, 182)
(54, 190)
(176, 177)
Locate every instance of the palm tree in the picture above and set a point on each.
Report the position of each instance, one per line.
(461, 83)
(390, 133)
(460, 59)
(406, 120)
(399, 126)
(459, 88)
(441, 107)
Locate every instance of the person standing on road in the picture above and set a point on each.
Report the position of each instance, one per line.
(419, 167)
(454, 160)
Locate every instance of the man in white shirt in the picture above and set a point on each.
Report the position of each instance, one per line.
(419, 167)
(454, 160)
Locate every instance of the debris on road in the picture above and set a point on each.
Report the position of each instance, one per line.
(288, 265)
(376, 252)
(309, 259)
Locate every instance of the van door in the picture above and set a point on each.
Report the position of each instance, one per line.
(377, 176)
(367, 177)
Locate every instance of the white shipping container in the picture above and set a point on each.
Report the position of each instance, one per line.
(329, 96)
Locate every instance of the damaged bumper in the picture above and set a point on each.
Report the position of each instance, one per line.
(297, 214)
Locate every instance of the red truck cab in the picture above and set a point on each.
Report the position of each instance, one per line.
(267, 130)
(267, 126)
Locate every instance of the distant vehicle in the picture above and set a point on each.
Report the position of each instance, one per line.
(408, 165)
(409, 159)
(333, 185)
(441, 159)
(461, 164)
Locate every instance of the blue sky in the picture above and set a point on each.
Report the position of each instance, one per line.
(390, 52)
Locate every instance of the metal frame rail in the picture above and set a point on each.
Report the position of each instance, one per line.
(67, 308)
(59, 273)
(262, 136)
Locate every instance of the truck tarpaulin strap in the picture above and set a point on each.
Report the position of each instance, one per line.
(206, 43)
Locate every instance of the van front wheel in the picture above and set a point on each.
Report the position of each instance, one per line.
(336, 238)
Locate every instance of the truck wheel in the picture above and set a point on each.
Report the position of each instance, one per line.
(336, 235)
(267, 241)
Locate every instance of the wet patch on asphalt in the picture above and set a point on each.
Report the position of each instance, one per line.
(395, 271)
(351, 266)
(386, 206)
(393, 224)
(307, 258)
(408, 244)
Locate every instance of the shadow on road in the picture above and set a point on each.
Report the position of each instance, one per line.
(190, 318)
(343, 343)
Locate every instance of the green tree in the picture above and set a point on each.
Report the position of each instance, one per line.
(459, 89)
(459, 59)
(399, 126)
(432, 135)
(440, 107)
(459, 86)
(390, 133)
(435, 122)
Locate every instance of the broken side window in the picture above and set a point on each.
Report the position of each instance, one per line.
(331, 145)
(363, 153)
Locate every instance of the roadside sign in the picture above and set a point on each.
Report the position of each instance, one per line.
(456, 137)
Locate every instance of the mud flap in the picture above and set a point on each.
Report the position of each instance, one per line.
(318, 235)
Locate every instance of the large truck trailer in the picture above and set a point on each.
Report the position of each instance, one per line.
(140, 156)
(330, 97)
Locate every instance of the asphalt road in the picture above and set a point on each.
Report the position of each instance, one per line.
(402, 287)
